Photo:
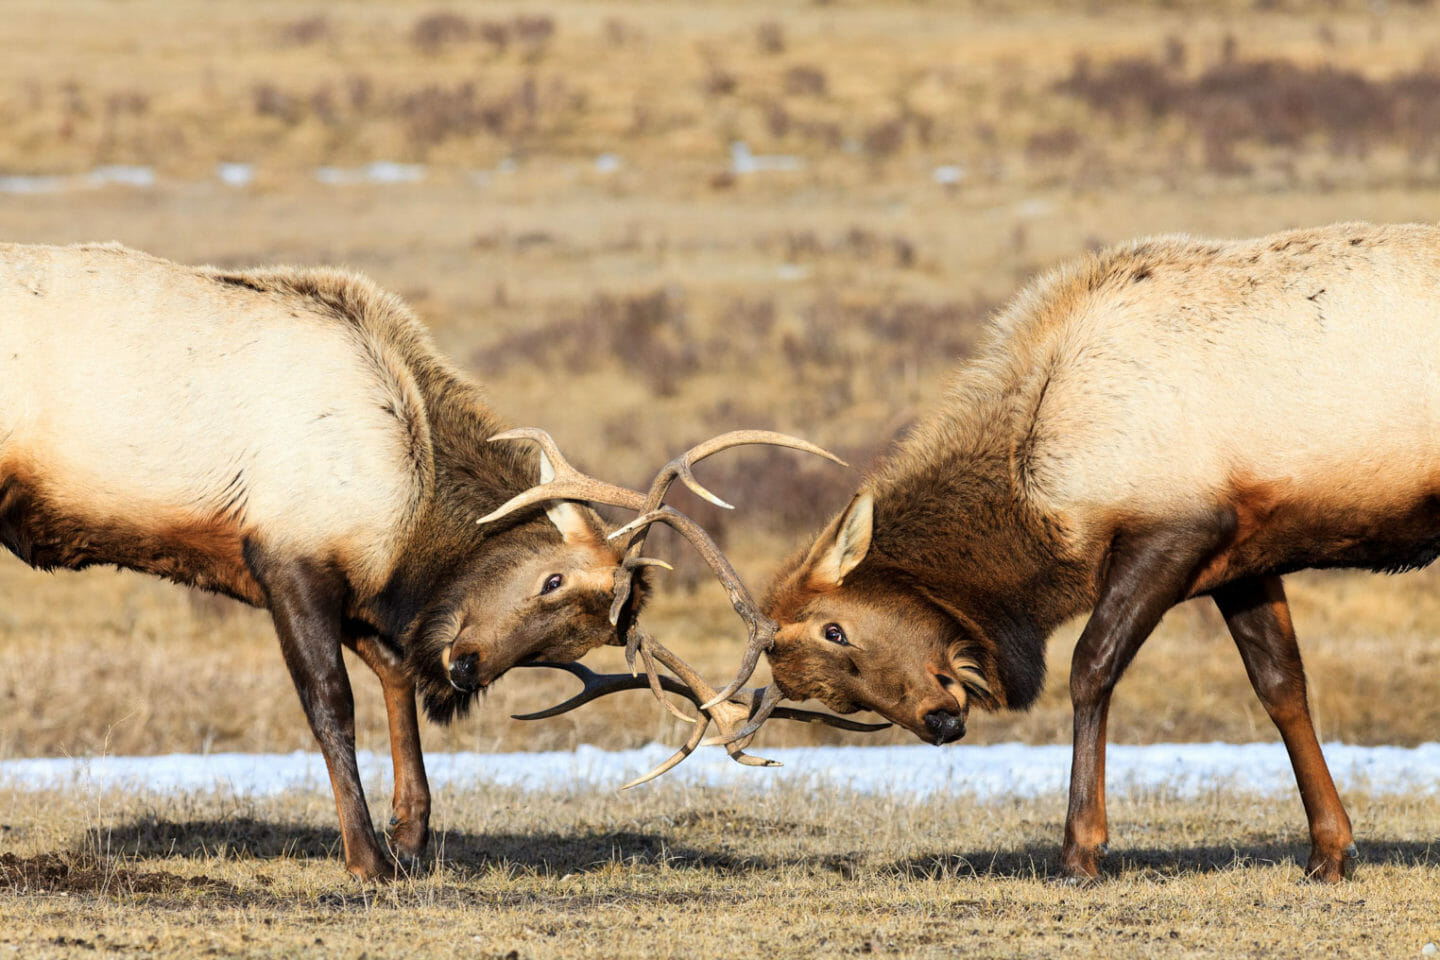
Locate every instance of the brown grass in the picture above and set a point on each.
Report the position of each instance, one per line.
(635, 311)
(686, 873)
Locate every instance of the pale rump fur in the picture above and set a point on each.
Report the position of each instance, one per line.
(227, 436)
(1172, 372)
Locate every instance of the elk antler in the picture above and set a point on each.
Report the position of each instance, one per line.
(762, 628)
(598, 685)
(760, 705)
(560, 481)
(679, 468)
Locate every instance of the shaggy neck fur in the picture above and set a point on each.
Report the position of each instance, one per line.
(459, 475)
(953, 521)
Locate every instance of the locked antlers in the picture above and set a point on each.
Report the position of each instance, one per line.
(560, 481)
(738, 716)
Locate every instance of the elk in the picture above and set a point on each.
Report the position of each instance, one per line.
(1172, 418)
(292, 439)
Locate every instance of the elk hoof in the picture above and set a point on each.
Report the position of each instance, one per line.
(408, 838)
(1331, 868)
(1081, 868)
(379, 871)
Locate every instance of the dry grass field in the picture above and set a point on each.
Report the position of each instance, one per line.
(582, 234)
(675, 873)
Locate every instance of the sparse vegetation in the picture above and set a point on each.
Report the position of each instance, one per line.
(945, 156)
(680, 873)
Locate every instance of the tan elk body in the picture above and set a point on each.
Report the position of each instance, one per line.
(290, 438)
(136, 393)
(1169, 418)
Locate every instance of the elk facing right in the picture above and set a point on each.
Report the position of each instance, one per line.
(1169, 419)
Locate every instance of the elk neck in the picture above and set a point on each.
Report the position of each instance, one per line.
(472, 478)
(952, 519)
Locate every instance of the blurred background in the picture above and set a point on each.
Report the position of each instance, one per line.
(644, 223)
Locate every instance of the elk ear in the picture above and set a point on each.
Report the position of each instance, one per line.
(567, 516)
(569, 519)
(843, 544)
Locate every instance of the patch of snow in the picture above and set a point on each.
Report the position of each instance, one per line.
(381, 171)
(742, 161)
(28, 183)
(948, 175)
(235, 174)
(125, 176)
(986, 772)
(385, 171)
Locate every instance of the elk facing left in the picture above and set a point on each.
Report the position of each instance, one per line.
(292, 438)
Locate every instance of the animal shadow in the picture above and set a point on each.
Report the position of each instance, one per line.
(1041, 861)
(467, 853)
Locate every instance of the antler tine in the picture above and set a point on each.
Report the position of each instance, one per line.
(598, 685)
(679, 468)
(564, 483)
(655, 680)
(829, 719)
(675, 758)
(725, 713)
(763, 705)
(624, 577)
(542, 437)
(762, 628)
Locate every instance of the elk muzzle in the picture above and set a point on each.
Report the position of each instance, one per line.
(944, 726)
(465, 672)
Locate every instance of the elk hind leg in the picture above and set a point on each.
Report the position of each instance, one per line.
(1258, 616)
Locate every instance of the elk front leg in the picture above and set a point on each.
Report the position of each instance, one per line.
(305, 602)
(1259, 619)
(410, 820)
(1148, 573)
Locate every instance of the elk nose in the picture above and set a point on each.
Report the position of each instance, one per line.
(465, 672)
(944, 726)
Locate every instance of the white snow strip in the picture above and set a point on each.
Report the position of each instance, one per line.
(742, 161)
(987, 772)
(235, 174)
(121, 175)
(381, 171)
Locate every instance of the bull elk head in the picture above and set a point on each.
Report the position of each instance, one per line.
(737, 714)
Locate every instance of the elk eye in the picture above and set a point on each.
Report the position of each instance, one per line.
(552, 583)
(835, 634)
